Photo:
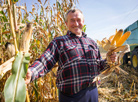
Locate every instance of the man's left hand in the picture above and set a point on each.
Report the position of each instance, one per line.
(113, 57)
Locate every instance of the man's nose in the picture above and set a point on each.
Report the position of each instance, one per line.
(76, 23)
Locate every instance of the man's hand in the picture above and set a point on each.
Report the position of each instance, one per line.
(113, 57)
(28, 76)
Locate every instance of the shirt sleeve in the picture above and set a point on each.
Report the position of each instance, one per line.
(102, 62)
(46, 61)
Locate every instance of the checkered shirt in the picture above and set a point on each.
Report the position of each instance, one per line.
(78, 58)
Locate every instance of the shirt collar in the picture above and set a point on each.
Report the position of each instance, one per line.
(74, 35)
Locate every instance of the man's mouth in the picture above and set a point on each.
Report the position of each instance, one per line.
(76, 27)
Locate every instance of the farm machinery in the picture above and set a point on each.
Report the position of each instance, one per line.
(132, 41)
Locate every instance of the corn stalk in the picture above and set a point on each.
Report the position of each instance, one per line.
(15, 88)
(47, 24)
(12, 24)
(16, 82)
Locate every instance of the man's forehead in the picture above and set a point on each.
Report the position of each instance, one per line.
(74, 13)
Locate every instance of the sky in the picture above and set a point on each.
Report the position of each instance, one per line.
(103, 17)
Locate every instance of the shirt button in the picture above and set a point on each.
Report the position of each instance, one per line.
(89, 63)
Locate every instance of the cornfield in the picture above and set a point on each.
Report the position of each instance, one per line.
(48, 22)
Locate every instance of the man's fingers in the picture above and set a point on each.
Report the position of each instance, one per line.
(113, 57)
(28, 76)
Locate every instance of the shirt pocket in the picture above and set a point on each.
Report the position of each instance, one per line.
(92, 52)
(69, 54)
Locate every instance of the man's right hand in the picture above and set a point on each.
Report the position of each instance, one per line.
(28, 76)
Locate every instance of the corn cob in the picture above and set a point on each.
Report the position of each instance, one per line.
(117, 37)
(111, 38)
(123, 38)
(24, 44)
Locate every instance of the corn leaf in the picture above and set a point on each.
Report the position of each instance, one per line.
(3, 17)
(14, 1)
(84, 28)
(15, 89)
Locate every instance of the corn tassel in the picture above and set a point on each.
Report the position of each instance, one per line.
(123, 38)
(117, 37)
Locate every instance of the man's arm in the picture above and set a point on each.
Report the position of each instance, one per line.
(44, 64)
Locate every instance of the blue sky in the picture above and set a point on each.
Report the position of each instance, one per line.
(103, 17)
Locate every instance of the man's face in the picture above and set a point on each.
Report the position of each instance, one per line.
(75, 22)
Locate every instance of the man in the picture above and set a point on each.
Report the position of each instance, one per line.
(79, 62)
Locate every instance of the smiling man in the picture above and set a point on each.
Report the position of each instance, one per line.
(79, 62)
(75, 22)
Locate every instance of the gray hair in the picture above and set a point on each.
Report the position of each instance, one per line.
(72, 11)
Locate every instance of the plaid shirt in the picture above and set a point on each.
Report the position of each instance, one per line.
(78, 58)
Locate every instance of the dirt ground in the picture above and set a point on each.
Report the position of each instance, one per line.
(119, 87)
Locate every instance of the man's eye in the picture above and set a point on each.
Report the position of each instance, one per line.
(78, 20)
(72, 20)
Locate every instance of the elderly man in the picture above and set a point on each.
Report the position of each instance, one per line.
(79, 62)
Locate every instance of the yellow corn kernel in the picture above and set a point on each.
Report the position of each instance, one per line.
(117, 36)
(123, 38)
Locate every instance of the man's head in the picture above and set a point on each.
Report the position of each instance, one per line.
(75, 21)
